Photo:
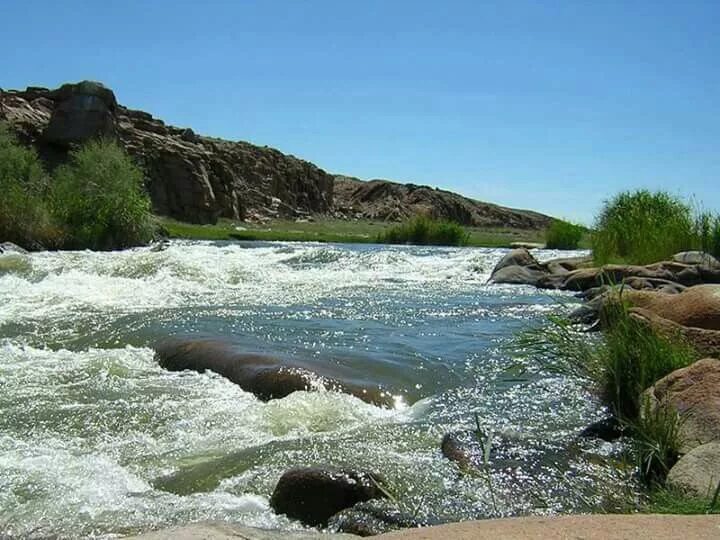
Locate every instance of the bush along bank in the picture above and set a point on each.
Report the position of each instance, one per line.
(655, 365)
(95, 201)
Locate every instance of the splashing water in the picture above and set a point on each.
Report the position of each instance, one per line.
(97, 439)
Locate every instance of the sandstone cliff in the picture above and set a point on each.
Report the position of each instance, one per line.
(199, 179)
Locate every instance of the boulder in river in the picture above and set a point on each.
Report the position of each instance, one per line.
(267, 377)
(314, 494)
(375, 517)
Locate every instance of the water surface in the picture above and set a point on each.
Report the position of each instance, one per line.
(90, 425)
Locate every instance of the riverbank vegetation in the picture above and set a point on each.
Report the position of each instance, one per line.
(328, 230)
(643, 227)
(95, 201)
(424, 230)
(564, 235)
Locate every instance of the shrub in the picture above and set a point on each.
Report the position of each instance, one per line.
(425, 231)
(642, 227)
(563, 235)
(24, 218)
(98, 196)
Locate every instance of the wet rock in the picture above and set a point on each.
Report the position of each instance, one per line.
(473, 451)
(608, 429)
(265, 376)
(373, 518)
(314, 494)
(694, 392)
(697, 473)
(9, 247)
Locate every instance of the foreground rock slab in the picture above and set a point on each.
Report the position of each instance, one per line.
(591, 527)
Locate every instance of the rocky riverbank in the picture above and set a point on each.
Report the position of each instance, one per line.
(678, 299)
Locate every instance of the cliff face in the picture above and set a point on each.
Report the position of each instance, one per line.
(391, 201)
(199, 179)
(189, 177)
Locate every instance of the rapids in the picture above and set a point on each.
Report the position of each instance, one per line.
(91, 428)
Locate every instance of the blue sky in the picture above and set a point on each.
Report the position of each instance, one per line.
(546, 105)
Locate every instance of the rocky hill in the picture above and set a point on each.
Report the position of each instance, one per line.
(392, 201)
(200, 179)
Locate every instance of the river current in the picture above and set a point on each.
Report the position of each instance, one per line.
(91, 427)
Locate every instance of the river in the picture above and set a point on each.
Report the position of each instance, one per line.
(90, 424)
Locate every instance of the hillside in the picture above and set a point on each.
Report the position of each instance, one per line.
(199, 179)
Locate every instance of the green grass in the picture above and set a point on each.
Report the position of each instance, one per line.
(644, 227)
(423, 230)
(564, 235)
(629, 358)
(666, 501)
(619, 366)
(327, 230)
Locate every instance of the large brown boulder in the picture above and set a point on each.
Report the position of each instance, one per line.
(705, 342)
(694, 392)
(314, 494)
(84, 111)
(265, 376)
(697, 306)
(697, 473)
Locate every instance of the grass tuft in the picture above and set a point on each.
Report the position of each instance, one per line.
(422, 230)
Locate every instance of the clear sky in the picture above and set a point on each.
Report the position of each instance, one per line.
(540, 104)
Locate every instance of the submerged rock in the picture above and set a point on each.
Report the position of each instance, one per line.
(373, 517)
(694, 392)
(608, 429)
(265, 376)
(314, 494)
(697, 473)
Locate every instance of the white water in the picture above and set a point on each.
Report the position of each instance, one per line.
(89, 422)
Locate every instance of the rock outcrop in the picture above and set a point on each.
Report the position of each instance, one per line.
(576, 274)
(189, 177)
(314, 494)
(392, 201)
(200, 179)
